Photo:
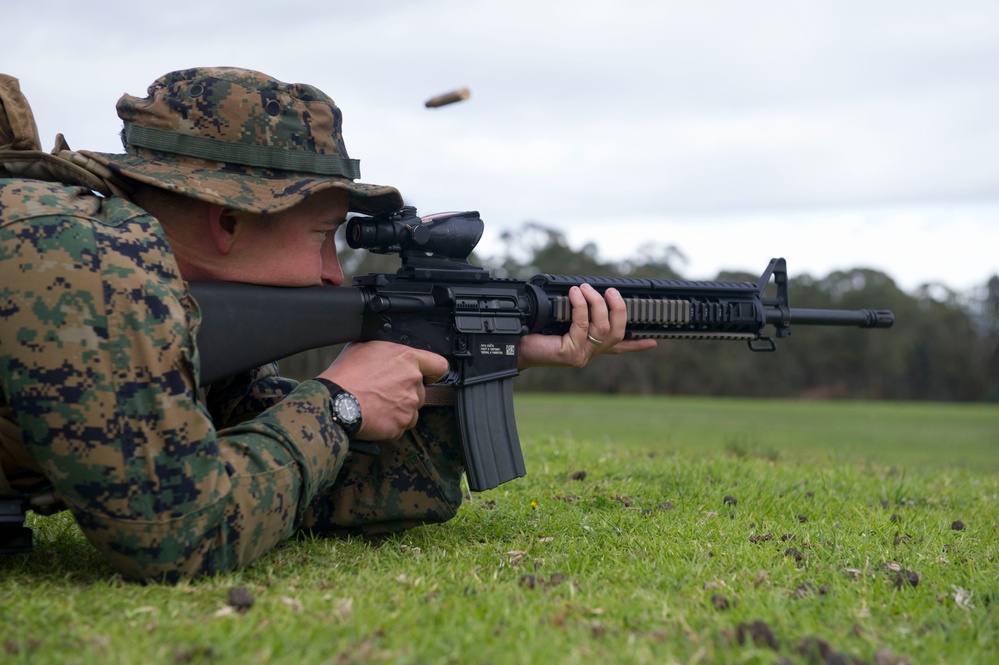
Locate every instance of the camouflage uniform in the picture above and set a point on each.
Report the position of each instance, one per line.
(98, 365)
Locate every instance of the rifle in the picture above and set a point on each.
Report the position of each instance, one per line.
(438, 301)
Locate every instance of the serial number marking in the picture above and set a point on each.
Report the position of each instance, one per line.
(488, 349)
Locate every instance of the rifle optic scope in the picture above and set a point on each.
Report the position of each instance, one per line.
(450, 235)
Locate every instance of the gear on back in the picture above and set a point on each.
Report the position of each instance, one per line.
(21, 154)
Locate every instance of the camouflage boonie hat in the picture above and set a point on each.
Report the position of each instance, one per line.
(240, 139)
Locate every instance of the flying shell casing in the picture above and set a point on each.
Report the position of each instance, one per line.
(459, 95)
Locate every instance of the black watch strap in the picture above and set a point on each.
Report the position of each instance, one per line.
(351, 428)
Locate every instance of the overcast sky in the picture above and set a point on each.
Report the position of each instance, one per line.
(835, 133)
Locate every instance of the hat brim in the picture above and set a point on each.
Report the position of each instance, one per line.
(245, 188)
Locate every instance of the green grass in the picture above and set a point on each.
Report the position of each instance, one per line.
(619, 546)
(910, 433)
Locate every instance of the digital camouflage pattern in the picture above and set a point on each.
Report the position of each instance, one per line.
(415, 480)
(202, 131)
(98, 365)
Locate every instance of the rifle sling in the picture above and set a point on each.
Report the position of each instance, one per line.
(439, 395)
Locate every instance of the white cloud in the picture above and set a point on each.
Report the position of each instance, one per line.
(689, 122)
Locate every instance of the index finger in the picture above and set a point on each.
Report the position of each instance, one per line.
(432, 366)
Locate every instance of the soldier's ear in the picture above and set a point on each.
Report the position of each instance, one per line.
(222, 224)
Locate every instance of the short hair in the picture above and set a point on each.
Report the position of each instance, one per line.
(164, 204)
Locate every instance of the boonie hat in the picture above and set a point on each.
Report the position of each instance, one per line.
(240, 139)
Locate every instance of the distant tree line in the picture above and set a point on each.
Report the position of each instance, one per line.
(944, 345)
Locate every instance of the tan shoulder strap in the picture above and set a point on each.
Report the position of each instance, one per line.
(21, 153)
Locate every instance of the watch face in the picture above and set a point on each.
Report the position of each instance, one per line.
(347, 408)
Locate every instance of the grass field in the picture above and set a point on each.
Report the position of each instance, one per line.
(647, 531)
(911, 434)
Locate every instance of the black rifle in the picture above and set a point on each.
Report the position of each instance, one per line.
(439, 302)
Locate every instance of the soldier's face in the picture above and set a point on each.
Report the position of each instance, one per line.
(294, 247)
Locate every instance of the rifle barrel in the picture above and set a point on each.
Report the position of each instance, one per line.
(860, 318)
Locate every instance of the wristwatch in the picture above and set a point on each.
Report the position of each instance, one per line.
(344, 407)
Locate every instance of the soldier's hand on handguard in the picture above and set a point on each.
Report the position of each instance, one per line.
(598, 326)
(388, 381)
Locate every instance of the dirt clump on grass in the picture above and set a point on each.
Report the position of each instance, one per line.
(195, 654)
(793, 553)
(906, 576)
(809, 589)
(240, 598)
(757, 632)
(817, 651)
(658, 508)
(720, 602)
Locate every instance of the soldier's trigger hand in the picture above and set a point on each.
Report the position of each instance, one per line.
(388, 381)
